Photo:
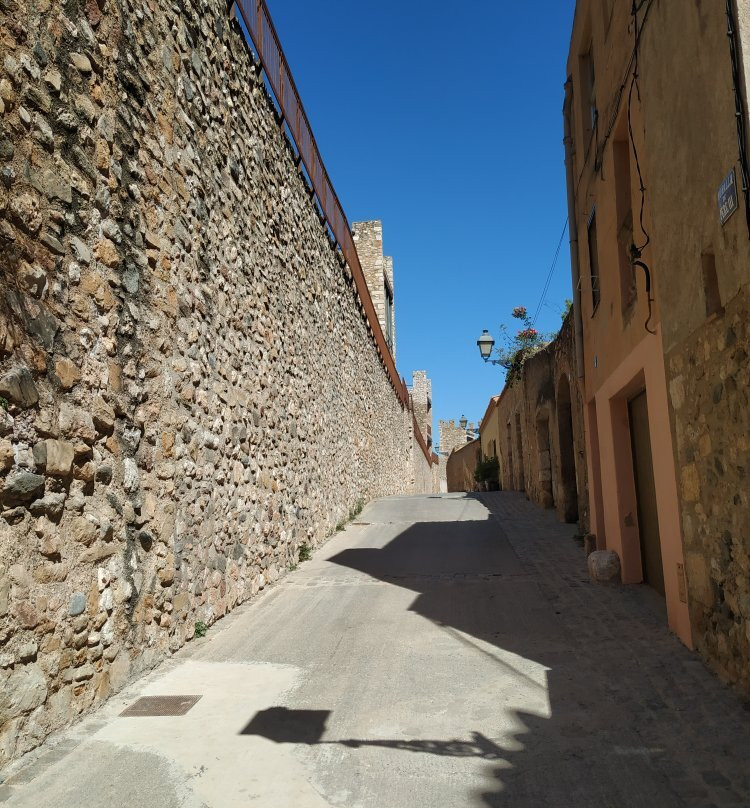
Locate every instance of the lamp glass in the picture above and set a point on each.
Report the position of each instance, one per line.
(485, 343)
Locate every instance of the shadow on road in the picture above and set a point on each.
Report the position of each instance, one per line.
(284, 725)
(588, 752)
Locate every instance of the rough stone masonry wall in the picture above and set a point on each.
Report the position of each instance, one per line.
(534, 461)
(709, 379)
(189, 389)
(425, 479)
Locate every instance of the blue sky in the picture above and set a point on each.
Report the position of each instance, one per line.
(444, 121)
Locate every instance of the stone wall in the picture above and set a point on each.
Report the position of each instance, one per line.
(441, 473)
(709, 382)
(536, 427)
(424, 479)
(461, 466)
(189, 388)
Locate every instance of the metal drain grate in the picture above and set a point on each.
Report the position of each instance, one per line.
(160, 706)
(360, 523)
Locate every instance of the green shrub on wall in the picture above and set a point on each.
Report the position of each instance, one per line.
(487, 470)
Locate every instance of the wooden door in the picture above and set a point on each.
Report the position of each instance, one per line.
(643, 470)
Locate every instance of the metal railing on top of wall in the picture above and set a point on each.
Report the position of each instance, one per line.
(259, 25)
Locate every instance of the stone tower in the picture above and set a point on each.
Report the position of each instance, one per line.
(421, 395)
(378, 271)
(454, 436)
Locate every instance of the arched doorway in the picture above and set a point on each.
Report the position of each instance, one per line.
(568, 484)
(519, 447)
(546, 490)
(510, 481)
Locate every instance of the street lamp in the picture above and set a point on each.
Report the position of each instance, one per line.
(462, 422)
(486, 344)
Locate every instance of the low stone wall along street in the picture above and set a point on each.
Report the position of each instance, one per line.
(461, 466)
(188, 388)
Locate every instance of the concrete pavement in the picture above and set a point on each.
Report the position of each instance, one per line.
(441, 651)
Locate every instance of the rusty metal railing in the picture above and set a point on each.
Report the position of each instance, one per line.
(268, 47)
(260, 27)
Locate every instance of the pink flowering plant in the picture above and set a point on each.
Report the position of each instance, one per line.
(516, 349)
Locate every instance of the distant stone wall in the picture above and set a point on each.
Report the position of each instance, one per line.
(424, 480)
(461, 465)
(441, 474)
(189, 391)
(709, 379)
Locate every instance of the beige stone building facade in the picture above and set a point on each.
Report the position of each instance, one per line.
(535, 429)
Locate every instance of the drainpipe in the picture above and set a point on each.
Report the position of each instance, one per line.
(573, 229)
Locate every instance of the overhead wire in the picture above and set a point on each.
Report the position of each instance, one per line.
(636, 250)
(549, 274)
(648, 4)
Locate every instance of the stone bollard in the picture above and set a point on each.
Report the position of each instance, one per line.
(604, 566)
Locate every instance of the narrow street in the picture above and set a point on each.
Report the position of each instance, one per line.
(440, 651)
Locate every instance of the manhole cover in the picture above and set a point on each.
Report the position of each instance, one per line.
(160, 705)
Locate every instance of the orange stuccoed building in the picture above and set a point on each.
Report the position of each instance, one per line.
(634, 421)
(655, 137)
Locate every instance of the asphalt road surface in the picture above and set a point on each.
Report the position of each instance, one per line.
(435, 653)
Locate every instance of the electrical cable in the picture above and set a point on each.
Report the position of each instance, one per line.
(648, 4)
(637, 250)
(631, 74)
(739, 105)
(549, 274)
(649, 299)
